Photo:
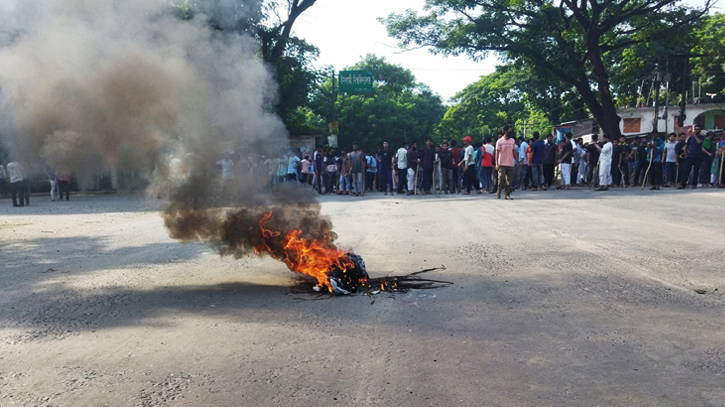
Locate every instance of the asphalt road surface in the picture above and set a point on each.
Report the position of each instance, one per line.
(560, 298)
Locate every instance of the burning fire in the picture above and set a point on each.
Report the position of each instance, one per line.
(310, 257)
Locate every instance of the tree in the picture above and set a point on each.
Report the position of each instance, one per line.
(570, 40)
(710, 68)
(399, 109)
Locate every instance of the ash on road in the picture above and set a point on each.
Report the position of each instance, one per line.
(560, 299)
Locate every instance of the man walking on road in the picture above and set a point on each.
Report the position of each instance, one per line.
(505, 162)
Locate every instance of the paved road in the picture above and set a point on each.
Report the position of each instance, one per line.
(560, 299)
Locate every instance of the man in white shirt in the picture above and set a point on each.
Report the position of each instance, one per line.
(581, 162)
(18, 187)
(400, 162)
(522, 164)
(469, 166)
(227, 166)
(605, 163)
(292, 163)
(671, 160)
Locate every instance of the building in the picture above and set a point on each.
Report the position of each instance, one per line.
(639, 120)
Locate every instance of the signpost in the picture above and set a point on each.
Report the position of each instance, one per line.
(356, 81)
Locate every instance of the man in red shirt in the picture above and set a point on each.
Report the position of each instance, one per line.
(505, 162)
(487, 152)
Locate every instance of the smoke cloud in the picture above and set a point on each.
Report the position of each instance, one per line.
(90, 85)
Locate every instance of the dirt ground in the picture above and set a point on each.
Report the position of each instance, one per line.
(559, 299)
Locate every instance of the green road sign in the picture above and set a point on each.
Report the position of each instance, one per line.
(356, 81)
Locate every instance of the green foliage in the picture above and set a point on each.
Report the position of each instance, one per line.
(574, 42)
(509, 95)
(398, 110)
(710, 69)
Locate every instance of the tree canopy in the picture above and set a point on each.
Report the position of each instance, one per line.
(399, 109)
(576, 42)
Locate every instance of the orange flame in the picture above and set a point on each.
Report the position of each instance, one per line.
(309, 257)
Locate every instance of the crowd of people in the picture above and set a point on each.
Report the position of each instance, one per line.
(500, 165)
(507, 163)
(15, 175)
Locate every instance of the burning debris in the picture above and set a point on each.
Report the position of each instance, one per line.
(337, 271)
(299, 236)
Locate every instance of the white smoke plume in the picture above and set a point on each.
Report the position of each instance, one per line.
(89, 85)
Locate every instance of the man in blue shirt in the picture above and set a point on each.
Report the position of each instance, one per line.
(654, 158)
(694, 158)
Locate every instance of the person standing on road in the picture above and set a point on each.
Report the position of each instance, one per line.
(63, 178)
(446, 158)
(694, 158)
(538, 149)
(292, 164)
(622, 158)
(3, 180)
(386, 156)
(671, 160)
(319, 158)
(427, 163)
(522, 164)
(371, 162)
(708, 153)
(655, 148)
(567, 150)
(593, 160)
(18, 190)
(456, 153)
(681, 156)
(306, 169)
(487, 153)
(640, 167)
(549, 165)
(412, 160)
(357, 171)
(605, 163)
(581, 152)
(468, 165)
(616, 170)
(344, 168)
(50, 173)
(401, 164)
(505, 162)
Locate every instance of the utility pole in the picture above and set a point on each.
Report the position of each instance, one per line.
(683, 100)
(333, 98)
(658, 81)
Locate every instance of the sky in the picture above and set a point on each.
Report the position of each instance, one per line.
(346, 30)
